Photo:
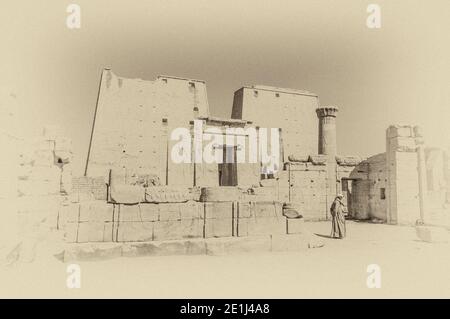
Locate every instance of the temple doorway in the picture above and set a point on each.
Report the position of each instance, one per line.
(228, 169)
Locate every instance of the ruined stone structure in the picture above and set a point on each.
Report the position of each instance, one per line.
(139, 144)
(407, 184)
(149, 196)
(132, 191)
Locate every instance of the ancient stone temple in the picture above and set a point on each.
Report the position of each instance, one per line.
(276, 164)
(142, 194)
(131, 139)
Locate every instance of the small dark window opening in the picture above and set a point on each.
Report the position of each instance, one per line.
(383, 193)
(195, 112)
(58, 161)
(255, 93)
(277, 94)
(191, 87)
(164, 81)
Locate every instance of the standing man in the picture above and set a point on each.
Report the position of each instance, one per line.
(338, 218)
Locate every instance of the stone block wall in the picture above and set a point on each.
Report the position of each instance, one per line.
(377, 187)
(360, 199)
(94, 187)
(308, 189)
(369, 189)
(402, 175)
(385, 187)
(219, 219)
(348, 172)
(99, 221)
(260, 218)
(44, 176)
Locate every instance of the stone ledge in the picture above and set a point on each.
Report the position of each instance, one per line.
(209, 246)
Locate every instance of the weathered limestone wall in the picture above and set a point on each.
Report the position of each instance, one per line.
(276, 189)
(368, 198)
(99, 221)
(402, 176)
(294, 111)
(91, 188)
(260, 218)
(45, 175)
(385, 187)
(133, 121)
(378, 187)
(346, 179)
(308, 188)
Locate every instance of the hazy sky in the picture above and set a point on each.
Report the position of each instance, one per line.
(377, 77)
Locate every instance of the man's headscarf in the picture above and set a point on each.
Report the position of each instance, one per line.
(339, 198)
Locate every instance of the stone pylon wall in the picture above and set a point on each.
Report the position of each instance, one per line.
(133, 122)
(292, 111)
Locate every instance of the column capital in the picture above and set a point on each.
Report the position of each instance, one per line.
(327, 111)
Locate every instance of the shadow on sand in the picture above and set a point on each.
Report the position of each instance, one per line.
(324, 236)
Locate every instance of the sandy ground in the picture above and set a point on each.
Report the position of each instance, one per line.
(409, 268)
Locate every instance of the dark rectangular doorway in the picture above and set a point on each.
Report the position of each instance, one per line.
(228, 169)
